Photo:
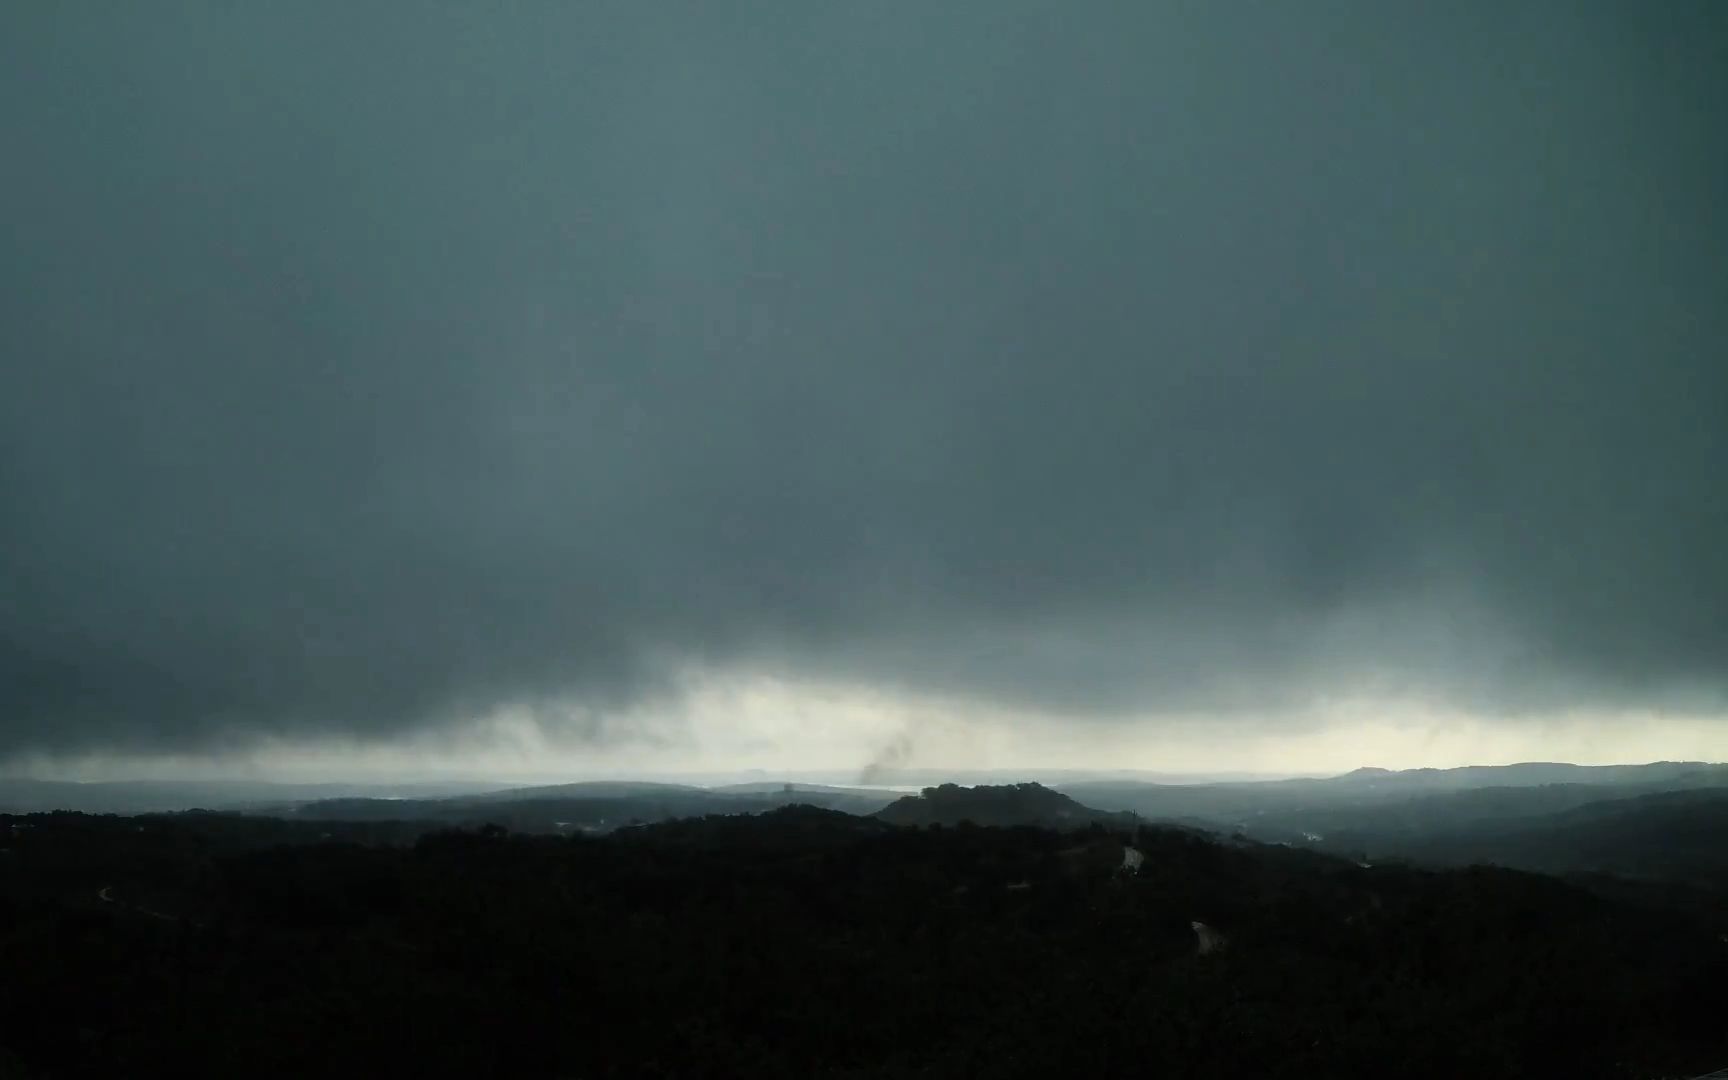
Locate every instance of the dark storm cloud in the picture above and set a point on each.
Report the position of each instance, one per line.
(366, 368)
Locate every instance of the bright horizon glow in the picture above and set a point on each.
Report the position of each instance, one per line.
(730, 726)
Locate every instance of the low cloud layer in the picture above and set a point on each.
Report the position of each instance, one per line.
(363, 372)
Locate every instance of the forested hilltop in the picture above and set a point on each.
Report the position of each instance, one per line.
(1006, 804)
(805, 942)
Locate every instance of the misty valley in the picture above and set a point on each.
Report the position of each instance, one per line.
(1532, 920)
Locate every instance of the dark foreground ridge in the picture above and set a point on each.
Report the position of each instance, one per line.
(805, 942)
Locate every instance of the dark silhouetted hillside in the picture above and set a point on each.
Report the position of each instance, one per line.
(1301, 805)
(1677, 836)
(584, 807)
(1003, 804)
(805, 942)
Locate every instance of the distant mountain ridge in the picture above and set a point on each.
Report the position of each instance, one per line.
(585, 789)
(1236, 805)
(29, 795)
(1527, 773)
(590, 806)
(1493, 813)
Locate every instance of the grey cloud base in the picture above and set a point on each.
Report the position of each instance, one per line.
(361, 373)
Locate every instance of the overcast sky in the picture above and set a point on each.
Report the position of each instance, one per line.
(797, 382)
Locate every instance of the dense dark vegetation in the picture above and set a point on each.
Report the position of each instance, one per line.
(805, 942)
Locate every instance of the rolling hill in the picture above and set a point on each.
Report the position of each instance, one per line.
(1002, 805)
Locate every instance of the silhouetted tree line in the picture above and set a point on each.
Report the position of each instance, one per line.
(808, 943)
